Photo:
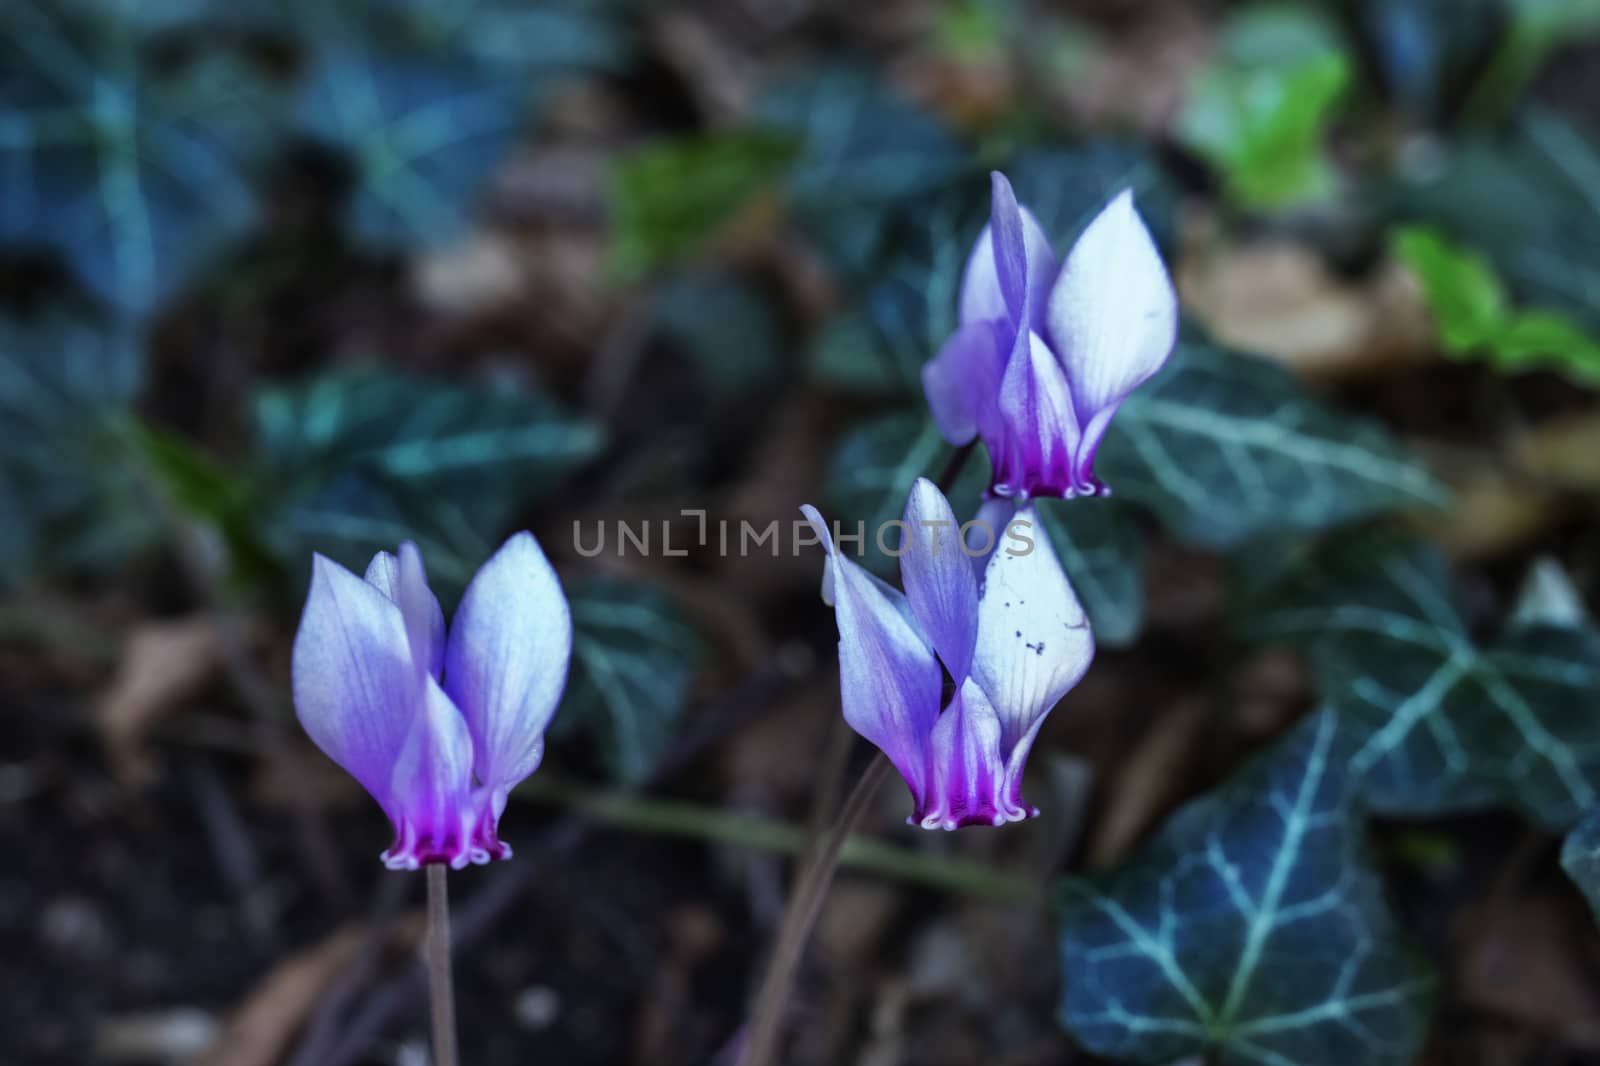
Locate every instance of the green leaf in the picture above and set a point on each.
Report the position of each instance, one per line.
(355, 461)
(863, 148)
(1445, 726)
(72, 499)
(635, 658)
(1580, 857)
(1528, 203)
(871, 474)
(420, 132)
(1468, 302)
(1100, 544)
(1225, 447)
(1251, 929)
(728, 328)
(1260, 112)
(1474, 316)
(134, 169)
(666, 201)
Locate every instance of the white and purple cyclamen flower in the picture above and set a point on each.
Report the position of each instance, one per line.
(1013, 639)
(1047, 350)
(438, 728)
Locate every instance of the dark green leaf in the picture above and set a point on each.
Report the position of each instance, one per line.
(1102, 548)
(1251, 929)
(1580, 857)
(420, 132)
(1226, 447)
(635, 658)
(862, 148)
(1445, 726)
(729, 329)
(667, 200)
(872, 472)
(66, 389)
(359, 461)
(134, 171)
(1529, 204)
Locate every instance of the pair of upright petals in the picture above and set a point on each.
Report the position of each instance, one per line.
(1007, 629)
(1047, 350)
(438, 725)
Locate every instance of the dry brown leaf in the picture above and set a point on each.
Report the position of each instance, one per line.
(1523, 962)
(262, 1028)
(162, 665)
(1148, 781)
(1277, 298)
(1562, 453)
(1492, 509)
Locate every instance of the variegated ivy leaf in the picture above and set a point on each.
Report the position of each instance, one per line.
(1250, 930)
(1101, 546)
(355, 461)
(1580, 857)
(873, 469)
(635, 657)
(1225, 447)
(133, 167)
(1446, 725)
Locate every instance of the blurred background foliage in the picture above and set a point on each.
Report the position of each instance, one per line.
(283, 278)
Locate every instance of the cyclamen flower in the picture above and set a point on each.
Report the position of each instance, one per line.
(1013, 642)
(438, 728)
(1047, 351)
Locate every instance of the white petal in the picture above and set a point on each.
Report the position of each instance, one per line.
(1113, 316)
(1034, 641)
(507, 657)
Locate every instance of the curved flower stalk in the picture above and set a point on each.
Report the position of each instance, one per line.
(1047, 350)
(437, 726)
(1009, 631)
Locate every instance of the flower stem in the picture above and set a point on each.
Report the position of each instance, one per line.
(804, 907)
(441, 989)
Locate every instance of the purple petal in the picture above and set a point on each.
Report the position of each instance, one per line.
(418, 605)
(1113, 317)
(1034, 454)
(432, 805)
(991, 287)
(1034, 641)
(889, 680)
(506, 661)
(354, 686)
(963, 381)
(938, 577)
(971, 785)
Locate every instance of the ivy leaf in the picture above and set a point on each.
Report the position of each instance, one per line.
(519, 38)
(1474, 314)
(1260, 111)
(133, 170)
(1527, 203)
(359, 461)
(728, 328)
(420, 132)
(863, 148)
(1251, 929)
(872, 471)
(635, 658)
(1099, 542)
(668, 200)
(1580, 857)
(72, 500)
(1226, 447)
(1446, 726)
